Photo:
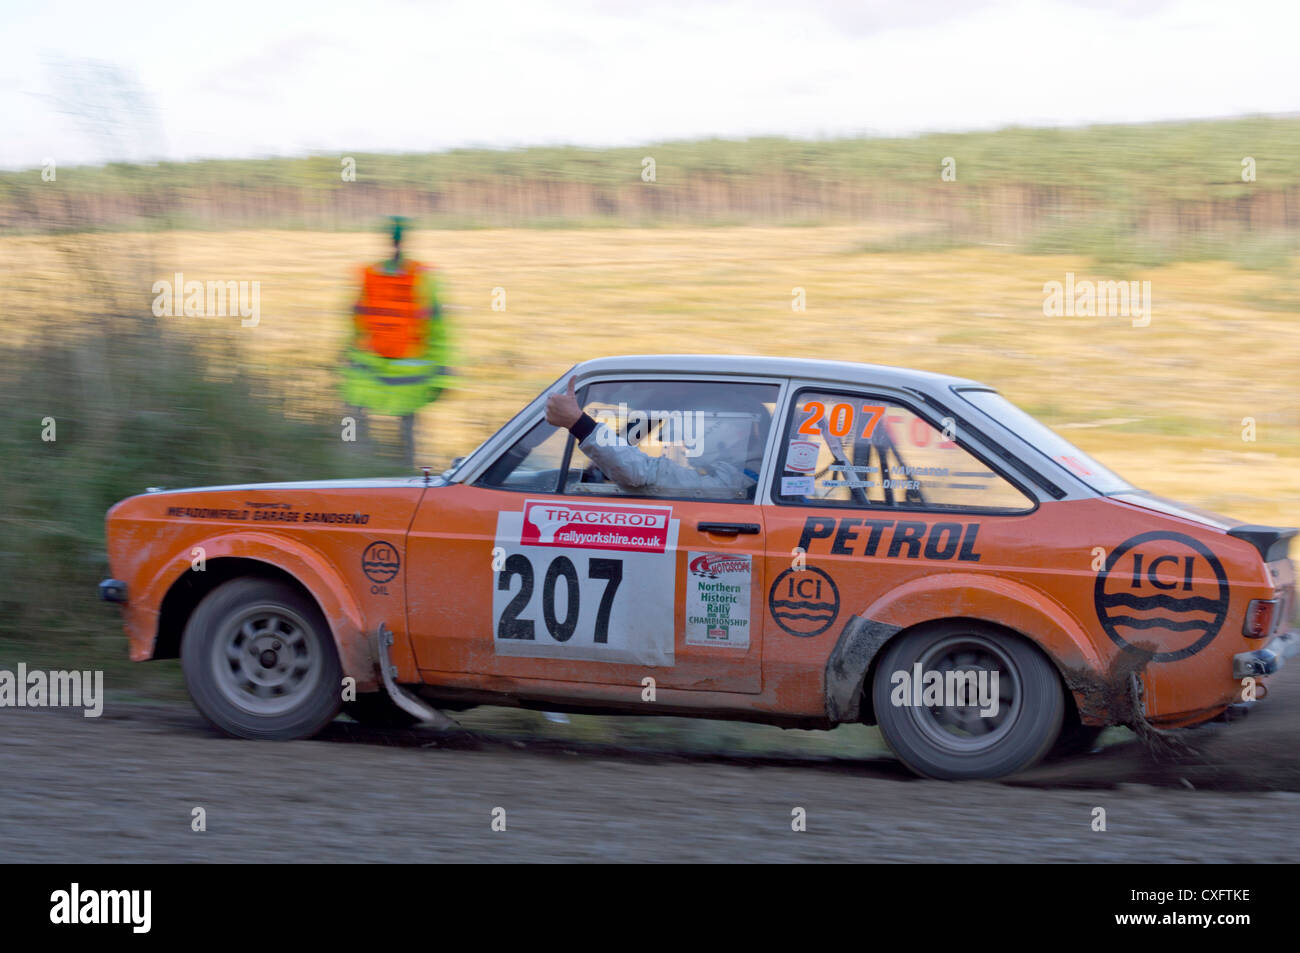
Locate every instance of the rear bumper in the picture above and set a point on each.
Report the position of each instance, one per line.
(1267, 660)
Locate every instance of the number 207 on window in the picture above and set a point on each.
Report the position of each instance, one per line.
(839, 420)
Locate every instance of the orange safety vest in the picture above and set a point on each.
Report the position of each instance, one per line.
(391, 320)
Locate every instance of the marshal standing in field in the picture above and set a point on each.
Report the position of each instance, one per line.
(400, 353)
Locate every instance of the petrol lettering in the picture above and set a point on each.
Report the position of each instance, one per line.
(909, 539)
(846, 534)
(950, 534)
(878, 528)
(816, 527)
(909, 535)
(968, 553)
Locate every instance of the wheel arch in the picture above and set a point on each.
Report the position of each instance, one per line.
(1010, 606)
(866, 712)
(180, 588)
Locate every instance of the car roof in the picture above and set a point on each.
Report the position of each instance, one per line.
(746, 365)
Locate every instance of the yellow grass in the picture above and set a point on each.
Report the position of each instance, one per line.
(1163, 405)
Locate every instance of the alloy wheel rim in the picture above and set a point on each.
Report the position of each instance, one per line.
(963, 729)
(266, 660)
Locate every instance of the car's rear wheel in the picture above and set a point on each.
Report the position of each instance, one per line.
(259, 661)
(937, 738)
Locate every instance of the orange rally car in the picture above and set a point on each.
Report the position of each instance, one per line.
(801, 543)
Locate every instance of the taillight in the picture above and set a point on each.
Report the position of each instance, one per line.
(1259, 618)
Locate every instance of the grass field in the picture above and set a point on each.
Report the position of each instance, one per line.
(1164, 404)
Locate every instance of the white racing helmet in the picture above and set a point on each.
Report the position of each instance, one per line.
(724, 435)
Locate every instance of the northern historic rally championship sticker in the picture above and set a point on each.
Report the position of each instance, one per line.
(717, 599)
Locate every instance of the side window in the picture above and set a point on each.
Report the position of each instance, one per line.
(533, 463)
(677, 439)
(680, 439)
(856, 450)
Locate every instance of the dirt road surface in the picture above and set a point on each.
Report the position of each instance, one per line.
(123, 787)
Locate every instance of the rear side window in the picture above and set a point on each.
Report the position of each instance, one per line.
(1046, 441)
(842, 448)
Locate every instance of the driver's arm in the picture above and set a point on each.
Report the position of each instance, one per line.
(632, 468)
(628, 466)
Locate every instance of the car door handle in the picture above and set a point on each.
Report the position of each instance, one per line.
(729, 529)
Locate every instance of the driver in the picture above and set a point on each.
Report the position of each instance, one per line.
(724, 441)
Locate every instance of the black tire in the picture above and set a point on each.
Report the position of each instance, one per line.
(376, 710)
(259, 661)
(954, 743)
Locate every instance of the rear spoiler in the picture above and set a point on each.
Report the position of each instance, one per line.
(1271, 541)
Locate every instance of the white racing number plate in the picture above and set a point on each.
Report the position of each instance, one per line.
(583, 580)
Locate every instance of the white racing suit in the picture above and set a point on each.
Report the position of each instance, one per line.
(632, 469)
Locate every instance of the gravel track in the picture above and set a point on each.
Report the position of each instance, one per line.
(122, 788)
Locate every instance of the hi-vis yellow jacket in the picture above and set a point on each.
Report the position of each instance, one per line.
(400, 354)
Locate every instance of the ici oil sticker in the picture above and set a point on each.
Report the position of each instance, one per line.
(381, 564)
(717, 599)
(1163, 588)
(804, 602)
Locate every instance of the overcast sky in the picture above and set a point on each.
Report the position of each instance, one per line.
(282, 77)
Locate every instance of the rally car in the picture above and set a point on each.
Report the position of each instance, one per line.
(887, 546)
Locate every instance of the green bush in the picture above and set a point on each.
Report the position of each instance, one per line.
(133, 404)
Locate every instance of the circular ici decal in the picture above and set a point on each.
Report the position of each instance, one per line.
(1165, 588)
(804, 602)
(380, 562)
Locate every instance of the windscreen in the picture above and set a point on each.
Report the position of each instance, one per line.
(1046, 441)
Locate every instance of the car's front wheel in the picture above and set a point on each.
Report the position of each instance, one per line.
(922, 695)
(259, 661)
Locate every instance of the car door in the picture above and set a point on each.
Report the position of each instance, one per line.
(542, 566)
(868, 494)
